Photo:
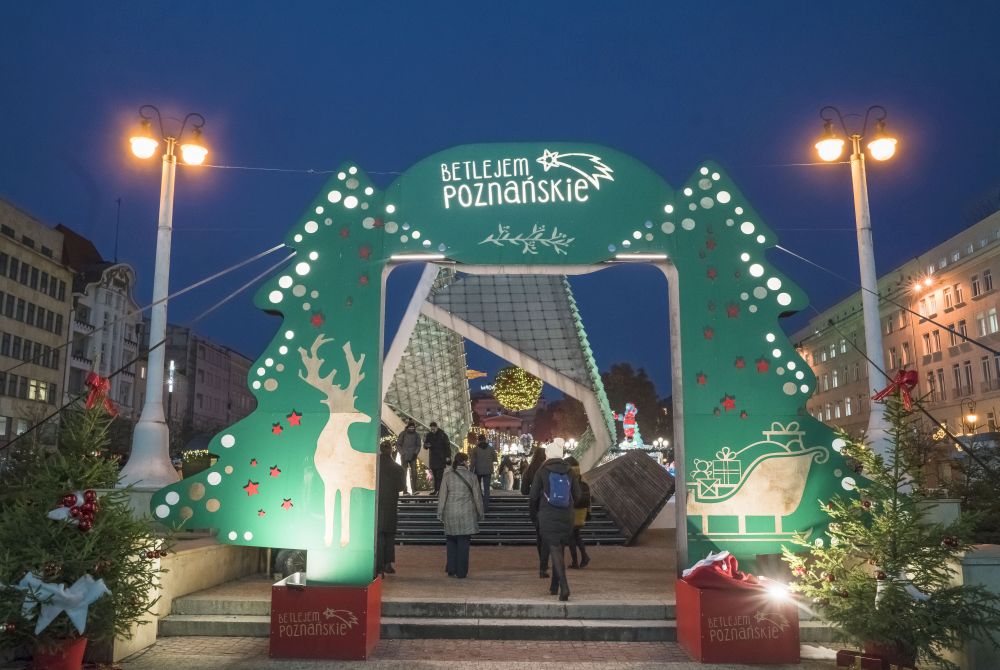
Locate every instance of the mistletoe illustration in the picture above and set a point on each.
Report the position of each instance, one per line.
(556, 240)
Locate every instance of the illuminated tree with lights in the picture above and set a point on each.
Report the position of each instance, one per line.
(517, 389)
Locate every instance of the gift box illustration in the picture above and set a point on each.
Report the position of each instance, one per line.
(763, 479)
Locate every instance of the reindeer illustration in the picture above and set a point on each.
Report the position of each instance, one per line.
(339, 465)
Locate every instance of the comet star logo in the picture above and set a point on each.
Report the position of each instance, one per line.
(593, 168)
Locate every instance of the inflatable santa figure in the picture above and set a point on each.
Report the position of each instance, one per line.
(630, 425)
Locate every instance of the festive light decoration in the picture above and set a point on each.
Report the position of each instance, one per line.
(516, 389)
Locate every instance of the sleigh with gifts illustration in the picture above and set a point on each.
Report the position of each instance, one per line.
(764, 479)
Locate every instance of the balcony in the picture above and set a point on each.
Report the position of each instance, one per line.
(83, 326)
(961, 392)
(989, 385)
(79, 357)
(131, 344)
(128, 375)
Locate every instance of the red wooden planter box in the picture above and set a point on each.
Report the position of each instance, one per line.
(738, 625)
(324, 621)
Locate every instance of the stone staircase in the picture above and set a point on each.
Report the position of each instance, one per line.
(426, 619)
(507, 523)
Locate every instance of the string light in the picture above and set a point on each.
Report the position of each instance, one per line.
(517, 389)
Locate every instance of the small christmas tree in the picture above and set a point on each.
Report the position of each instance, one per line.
(62, 520)
(884, 574)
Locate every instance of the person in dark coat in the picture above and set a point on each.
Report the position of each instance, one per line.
(391, 480)
(483, 457)
(527, 478)
(581, 512)
(408, 447)
(436, 443)
(555, 524)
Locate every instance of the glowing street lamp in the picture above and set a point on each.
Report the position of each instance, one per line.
(149, 464)
(882, 147)
(971, 418)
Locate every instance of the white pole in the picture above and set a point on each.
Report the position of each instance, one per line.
(877, 434)
(149, 465)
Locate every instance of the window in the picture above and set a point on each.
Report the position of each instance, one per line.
(959, 299)
(963, 330)
(3, 264)
(940, 378)
(46, 251)
(987, 369)
(955, 256)
(943, 261)
(62, 290)
(828, 413)
(893, 362)
(33, 282)
(977, 288)
(25, 271)
(981, 323)
(987, 281)
(836, 411)
(927, 344)
(843, 346)
(822, 355)
(15, 265)
(889, 324)
(43, 284)
(833, 350)
(847, 406)
(904, 357)
(931, 385)
(835, 378)
(19, 312)
(946, 294)
(857, 372)
(967, 369)
(956, 372)
(936, 340)
(969, 249)
(952, 335)
(826, 382)
(932, 303)
(5, 346)
(991, 320)
(31, 314)
(922, 309)
(15, 350)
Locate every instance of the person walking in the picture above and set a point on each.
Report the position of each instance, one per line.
(581, 513)
(537, 458)
(483, 458)
(460, 509)
(408, 448)
(436, 442)
(553, 494)
(391, 480)
(507, 473)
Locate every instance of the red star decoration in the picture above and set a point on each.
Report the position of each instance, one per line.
(710, 243)
(728, 402)
(317, 319)
(294, 419)
(253, 462)
(275, 471)
(286, 504)
(743, 414)
(763, 365)
(701, 378)
(377, 223)
(712, 273)
(251, 487)
(344, 232)
(732, 310)
(363, 280)
(709, 333)
(276, 428)
(740, 363)
(261, 512)
(365, 252)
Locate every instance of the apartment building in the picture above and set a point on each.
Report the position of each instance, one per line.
(35, 306)
(932, 307)
(104, 323)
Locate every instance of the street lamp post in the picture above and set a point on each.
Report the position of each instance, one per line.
(882, 147)
(970, 417)
(149, 464)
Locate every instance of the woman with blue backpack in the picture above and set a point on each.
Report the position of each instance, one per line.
(553, 495)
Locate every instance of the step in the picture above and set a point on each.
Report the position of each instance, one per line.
(618, 630)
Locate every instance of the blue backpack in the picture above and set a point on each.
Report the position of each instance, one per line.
(560, 492)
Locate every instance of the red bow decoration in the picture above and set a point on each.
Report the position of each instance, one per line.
(904, 382)
(99, 388)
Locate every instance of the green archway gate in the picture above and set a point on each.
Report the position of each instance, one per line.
(300, 471)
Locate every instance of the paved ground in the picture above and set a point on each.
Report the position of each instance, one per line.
(210, 653)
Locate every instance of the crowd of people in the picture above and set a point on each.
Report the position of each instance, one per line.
(559, 500)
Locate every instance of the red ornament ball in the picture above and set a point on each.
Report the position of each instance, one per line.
(69, 500)
(798, 571)
(75, 512)
(829, 577)
(88, 508)
(880, 576)
(867, 504)
(10, 627)
(950, 542)
(90, 495)
(85, 525)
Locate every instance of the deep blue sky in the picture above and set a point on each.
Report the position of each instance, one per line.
(308, 85)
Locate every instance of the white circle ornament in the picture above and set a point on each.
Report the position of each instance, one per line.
(334, 196)
(162, 511)
(838, 444)
(228, 441)
(214, 478)
(172, 498)
(848, 483)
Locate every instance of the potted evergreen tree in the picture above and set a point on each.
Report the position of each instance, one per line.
(74, 562)
(883, 574)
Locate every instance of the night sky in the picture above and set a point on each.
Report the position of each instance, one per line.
(309, 85)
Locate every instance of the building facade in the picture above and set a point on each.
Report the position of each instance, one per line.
(936, 310)
(206, 382)
(104, 323)
(35, 303)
